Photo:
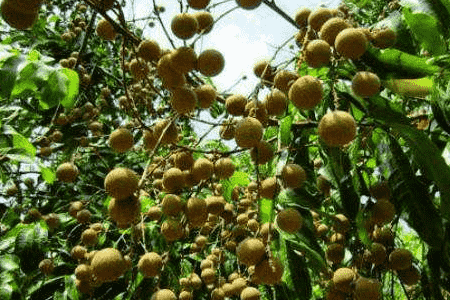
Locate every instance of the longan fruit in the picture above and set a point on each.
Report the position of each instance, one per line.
(227, 130)
(149, 139)
(149, 50)
(171, 205)
(185, 295)
(293, 175)
(172, 230)
(52, 220)
(275, 103)
(250, 251)
(367, 289)
(262, 152)
(183, 100)
(283, 80)
(289, 220)
(208, 275)
(383, 211)
(89, 237)
(17, 17)
(78, 252)
(154, 213)
(351, 43)
(215, 204)
(306, 92)
(335, 253)
(250, 293)
(377, 253)
(202, 169)
(268, 271)
(205, 21)
(173, 180)
(400, 259)
(196, 211)
(169, 77)
(124, 212)
(262, 69)
(105, 30)
(198, 4)
(83, 216)
(121, 183)
(46, 266)
(331, 28)
(184, 26)
(67, 172)
(138, 68)
(183, 160)
(210, 62)
(337, 128)
(341, 223)
(164, 294)
(269, 188)
(343, 278)
(318, 17)
(248, 4)
(171, 134)
(183, 59)
(409, 276)
(150, 264)
(121, 140)
(257, 110)
(301, 17)
(249, 132)
(317, 53)
(83, 272)
(235, 104)
(206, 95)
(323, 185)
(366, 84)
(224, 168)
(384, 38)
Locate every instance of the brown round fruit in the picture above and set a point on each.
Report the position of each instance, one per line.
(268, 272)
(184, 100)
(105, 30)
(171, 205)
(284, 79)
(293, 176)
(248, 4)
(172, 230)
(262, 69)
(202, 169)
(301, 17)
(289, 220)
(235, 104)
(210, 62)
(335, 253)
(400, 259)
(409, 276)
(276, 103)
(198, 4)
(67, 172)
(269, 188)
(17, 17)
(351, 43)
(150, 264)
(183, 59)
(331, 28)
(306, 92)
(205, 21)
(184, 26)
(343, 278)
(121, 183)
(317, 53)
(318, 17)
(262, 152)
(366, 84)
(384, 38)
(138, 68)
(224, 168)
(250, 251)
(383, 211)
(46, 266)
(173, 180)
(121, 140)
(206, 95)
(149, 50)
(249, 132)
(367, 289)
(196, 211)
(337, 128)
(164, 294)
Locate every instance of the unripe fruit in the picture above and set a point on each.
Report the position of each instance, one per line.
(289, 220)
(121, 183)
(210, 62)
(249, 132)
(248, 4)
(342, 279)
(293, 176)
(306, 92)
(331, 28)
(318, 17)
(337, 128)
(67, 172)
(317, 53)
(250, 251)
(275, 103)
(105, 30)
(184, 26)
(121, 140)
(150, 264)
(351, 43)
(366, 84)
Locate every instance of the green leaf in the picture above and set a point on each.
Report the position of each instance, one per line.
(238, 179)
(9, 262)
(315, 259)
(62, 87)
(266, 210)
(285, 130)
(8, 74)
(29, 247)
(9, 286)
(20, 142)
(47, 174)
(299, 274)
(427, 31)
(33, 76)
